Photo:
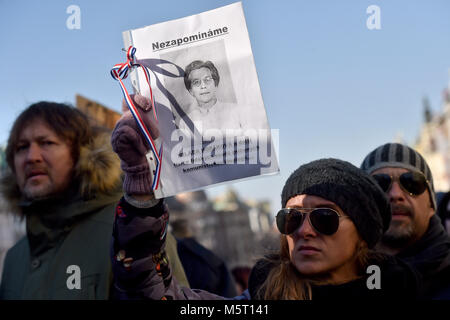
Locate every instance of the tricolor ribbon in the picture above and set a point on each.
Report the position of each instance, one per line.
(120, 72)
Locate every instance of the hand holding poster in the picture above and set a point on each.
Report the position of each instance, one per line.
(211, 115)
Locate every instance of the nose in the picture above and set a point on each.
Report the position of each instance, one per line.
(396, 193)
(33, 153)
(306, 230)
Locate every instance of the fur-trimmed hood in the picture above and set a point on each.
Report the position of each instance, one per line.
(97, 171)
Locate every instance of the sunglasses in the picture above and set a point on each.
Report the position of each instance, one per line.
(323, 220)
(414, 183)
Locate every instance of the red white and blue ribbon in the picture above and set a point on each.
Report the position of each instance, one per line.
(120, 72)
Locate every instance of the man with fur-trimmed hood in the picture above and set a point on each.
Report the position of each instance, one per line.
(65, 182)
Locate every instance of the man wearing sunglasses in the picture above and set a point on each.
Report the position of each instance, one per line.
(415, 234)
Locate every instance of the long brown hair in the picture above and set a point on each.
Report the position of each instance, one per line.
(284, 282)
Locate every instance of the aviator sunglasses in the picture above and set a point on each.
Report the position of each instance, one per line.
(414, 183)
(323, 220)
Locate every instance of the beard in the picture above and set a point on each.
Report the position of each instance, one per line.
(38, 192)
(400, 232)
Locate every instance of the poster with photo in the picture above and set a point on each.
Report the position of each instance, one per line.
(212, 119)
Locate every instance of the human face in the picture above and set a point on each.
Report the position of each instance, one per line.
(43, 162)
(332, 258)
(205, 91)
(410, 213)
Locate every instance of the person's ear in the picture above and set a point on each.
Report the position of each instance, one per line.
(431, 210)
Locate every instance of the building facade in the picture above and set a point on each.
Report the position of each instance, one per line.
(237, 231)
(434, 142)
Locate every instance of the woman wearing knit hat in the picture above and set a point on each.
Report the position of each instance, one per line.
(332, 215)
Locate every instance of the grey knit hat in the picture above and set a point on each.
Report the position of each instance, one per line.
(353, 190)
(398, 155)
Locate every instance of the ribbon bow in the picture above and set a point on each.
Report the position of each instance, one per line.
(120, 72)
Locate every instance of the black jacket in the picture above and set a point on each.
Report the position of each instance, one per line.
(431, 257)
(398, 281)
(204, 269)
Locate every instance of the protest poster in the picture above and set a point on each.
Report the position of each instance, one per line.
(212, 120)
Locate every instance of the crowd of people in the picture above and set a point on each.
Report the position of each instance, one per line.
(87, 200)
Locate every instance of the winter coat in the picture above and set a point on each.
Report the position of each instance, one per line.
(430, 255)
(204, 269)
(150, 276)
(140, 234)
(397, 280)
(65, 252)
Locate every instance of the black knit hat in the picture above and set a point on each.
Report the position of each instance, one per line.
(399, 156)
(353, 190)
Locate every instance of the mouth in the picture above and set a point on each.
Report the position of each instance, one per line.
(400, 213)
(35, 173)
(400, 217)
(308, 250)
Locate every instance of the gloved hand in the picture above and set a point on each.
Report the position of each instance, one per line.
(131, 146)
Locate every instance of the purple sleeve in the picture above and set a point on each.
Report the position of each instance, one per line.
(139, 262)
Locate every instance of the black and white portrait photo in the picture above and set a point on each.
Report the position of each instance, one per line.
(206, 92)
